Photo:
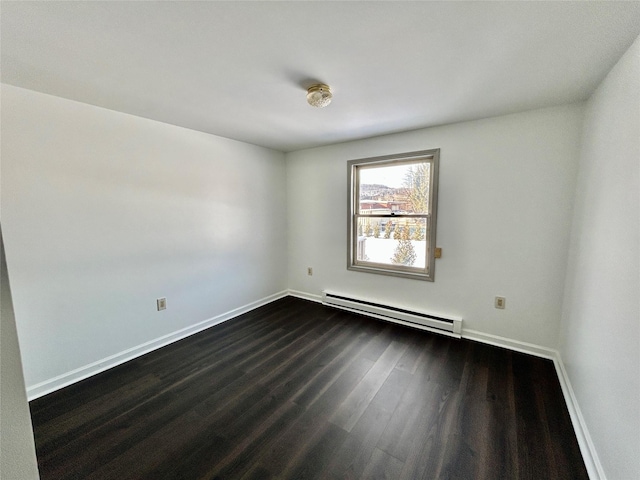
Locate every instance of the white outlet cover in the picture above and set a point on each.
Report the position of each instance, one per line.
(161, 304)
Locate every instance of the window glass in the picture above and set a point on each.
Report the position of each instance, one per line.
(392, 214)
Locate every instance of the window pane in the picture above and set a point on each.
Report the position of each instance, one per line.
(392, 241)
(401, 188)
(392, 214)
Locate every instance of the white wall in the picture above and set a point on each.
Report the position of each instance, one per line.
(104, 212)
(504, 211)
(17, 449)
(601, 319)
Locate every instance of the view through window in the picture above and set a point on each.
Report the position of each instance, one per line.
(392, 214)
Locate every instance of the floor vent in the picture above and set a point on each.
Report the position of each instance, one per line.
(424, 321)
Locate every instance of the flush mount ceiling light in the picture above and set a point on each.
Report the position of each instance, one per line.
(319, 95)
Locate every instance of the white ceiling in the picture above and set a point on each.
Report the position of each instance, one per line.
(240, 69)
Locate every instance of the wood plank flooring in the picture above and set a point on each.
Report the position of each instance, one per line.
(295, 390)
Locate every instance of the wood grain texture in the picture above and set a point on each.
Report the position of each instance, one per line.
(296, 390)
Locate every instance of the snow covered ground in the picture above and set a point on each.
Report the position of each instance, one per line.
(380, 250)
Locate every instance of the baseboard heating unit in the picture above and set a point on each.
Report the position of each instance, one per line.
(424, 321)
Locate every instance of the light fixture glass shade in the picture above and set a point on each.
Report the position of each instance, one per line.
(319, 95)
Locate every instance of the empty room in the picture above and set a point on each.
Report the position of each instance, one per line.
(309, 239)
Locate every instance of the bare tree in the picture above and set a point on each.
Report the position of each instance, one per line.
(416, 183)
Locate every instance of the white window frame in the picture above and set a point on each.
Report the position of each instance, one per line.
(353, 167)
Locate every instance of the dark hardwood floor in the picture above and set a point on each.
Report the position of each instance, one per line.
(297, 390)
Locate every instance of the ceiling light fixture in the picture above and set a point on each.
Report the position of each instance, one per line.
(319, 95)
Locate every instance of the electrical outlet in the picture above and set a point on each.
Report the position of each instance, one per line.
(161, 303)
(309, 271)
(500, 302)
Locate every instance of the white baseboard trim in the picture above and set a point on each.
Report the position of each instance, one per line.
(305, 296)
(508, 343)
(587, 448)
(61, 381)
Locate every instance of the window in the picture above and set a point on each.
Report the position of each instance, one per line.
(392, 214)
